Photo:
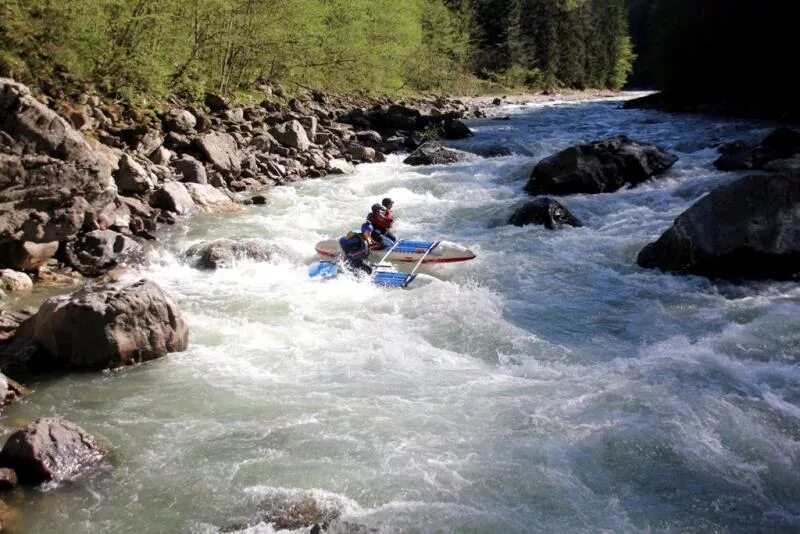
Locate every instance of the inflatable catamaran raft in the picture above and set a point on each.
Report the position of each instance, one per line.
(403, 251)
(407, 251)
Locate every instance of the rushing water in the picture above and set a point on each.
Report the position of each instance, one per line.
(548, 385)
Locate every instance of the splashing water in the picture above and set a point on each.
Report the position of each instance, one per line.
(548, 385)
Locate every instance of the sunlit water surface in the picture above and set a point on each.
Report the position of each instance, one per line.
(548, 385)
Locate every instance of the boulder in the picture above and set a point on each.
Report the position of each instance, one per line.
(361, 153)
(310, 125)
(221, 151)
(263, 143)
(217, 102)
(9, 323)
(50, 449)
(433, 153)
(132, 177)
(94, 252)
(8, 480)
(340, 166)
(224, 253)
(747, 229)
(781, 143)
(98, 328)
(209, 199)
(174, 197)
(55, 179)
(10, 390)
(545, 211)
(190, 170)
(291, 134)
(455, 129)
(15, 281)
(149, 143)
(599, 167)
(161, 156)
(26, 255)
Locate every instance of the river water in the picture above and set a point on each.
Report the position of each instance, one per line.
(549, 385)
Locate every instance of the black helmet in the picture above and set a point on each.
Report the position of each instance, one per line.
(377, 208)
(388, 202)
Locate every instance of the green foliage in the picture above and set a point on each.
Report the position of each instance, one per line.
(139, 49)
(187, 47)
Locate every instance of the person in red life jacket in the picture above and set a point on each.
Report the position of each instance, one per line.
(355, 246)
(382, 218)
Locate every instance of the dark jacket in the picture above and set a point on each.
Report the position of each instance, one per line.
(354, 246)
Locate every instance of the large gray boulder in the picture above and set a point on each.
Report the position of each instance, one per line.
(174, 197)
(221, 151)
(210, 199)
(433, 153)
(191, 170)
(223, 253)
(291, 134)
(599, 167)
(26, 255)
(50, 449)
(749, 228)
(545, 211)
(95, 252)
(132, 177)
(51, 178)
(179, 120)
(99, 327)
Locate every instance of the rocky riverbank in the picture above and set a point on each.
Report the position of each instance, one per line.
(84, 184)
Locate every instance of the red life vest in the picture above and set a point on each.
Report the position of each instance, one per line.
(383, 219)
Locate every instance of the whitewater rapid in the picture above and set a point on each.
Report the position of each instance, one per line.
(549, 385)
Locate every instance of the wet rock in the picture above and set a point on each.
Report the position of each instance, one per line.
(291, 134)
(369, 138)
(340, 166)
(99, 327)
(781, 143)
(15, 281)
(221, 151)
(26, 255)
(9, 323)
(259, 200)
(224, 253)
(497, 150)
(174, 197)
(97, 251)
(361, 153)
(190, 170)
(455, 129)
(599, 167)
(10, 391)
(8, 480)
(50, 449)
(747, 229)
(433, 153)
(545, 211)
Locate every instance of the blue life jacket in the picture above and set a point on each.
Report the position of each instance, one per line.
(354, 245)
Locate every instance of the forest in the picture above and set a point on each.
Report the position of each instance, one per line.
(137, 49)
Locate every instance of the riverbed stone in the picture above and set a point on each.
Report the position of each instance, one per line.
(51, 449)
(8, 480)
(100, 327)
(26, 255)
(545, 211)
(433, 153)
(97, 251)
(224, 253)
(132, 177)
(190, 169)
(601, 166)
(747, 229)
(15, 281)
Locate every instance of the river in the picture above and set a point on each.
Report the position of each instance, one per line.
(549, 385)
